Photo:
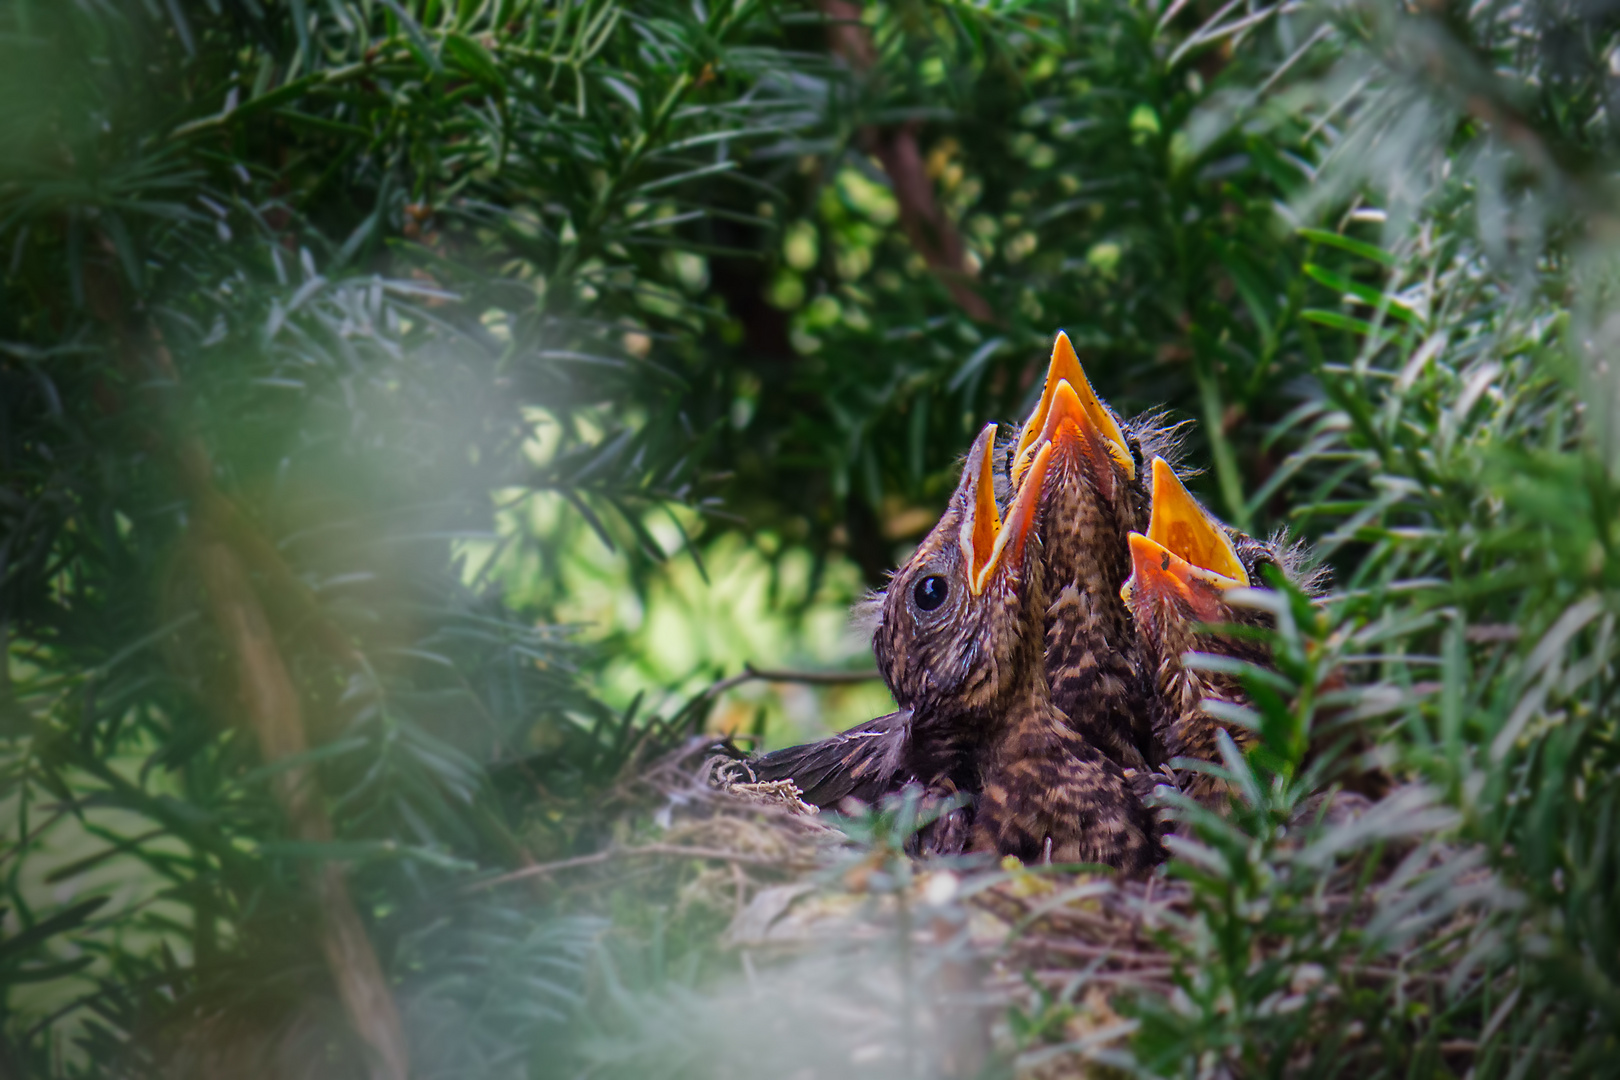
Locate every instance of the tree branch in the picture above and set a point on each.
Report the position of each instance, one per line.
(678, 851)
(220, 536)
(932, 234)
(276, 716)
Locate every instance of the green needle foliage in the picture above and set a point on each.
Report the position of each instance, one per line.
(331, 329)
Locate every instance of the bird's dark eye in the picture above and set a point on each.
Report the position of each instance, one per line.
(931, 592)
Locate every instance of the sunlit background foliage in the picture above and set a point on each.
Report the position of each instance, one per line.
(467, 386)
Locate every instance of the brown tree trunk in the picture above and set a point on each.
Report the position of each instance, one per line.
(223, 541)
(277, 719)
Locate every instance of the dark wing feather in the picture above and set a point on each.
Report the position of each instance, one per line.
(863, 762)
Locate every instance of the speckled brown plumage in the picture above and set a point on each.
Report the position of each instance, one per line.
(950, 665)
(1095, 497)
(1048, 795)
(1090, 503)
(971, 672)
(1088, 643)
(1172, 623)
(1167, 631)
(1178, 597)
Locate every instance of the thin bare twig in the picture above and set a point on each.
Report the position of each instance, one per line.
(665, 850)
(813, 678)
(750, 673)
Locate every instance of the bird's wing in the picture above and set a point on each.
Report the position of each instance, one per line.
(863, 762)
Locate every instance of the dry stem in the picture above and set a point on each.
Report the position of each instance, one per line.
(222, 540)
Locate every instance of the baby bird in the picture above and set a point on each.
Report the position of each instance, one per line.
(1183, 569)
(1092, 499)
(960, 643)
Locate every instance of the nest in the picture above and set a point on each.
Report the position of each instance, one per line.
(945, 958)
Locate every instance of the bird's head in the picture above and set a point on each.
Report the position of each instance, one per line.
(1088, 499)
(960, 622)
(1184, 567)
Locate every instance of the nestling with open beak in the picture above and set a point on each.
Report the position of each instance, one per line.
(960, 643)
(1093, 496)
(1183, 570)
(1092, 500)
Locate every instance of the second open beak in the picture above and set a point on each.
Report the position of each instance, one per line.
(988, 541)
(1180, 523)
(1156, 570)
(1183, 543)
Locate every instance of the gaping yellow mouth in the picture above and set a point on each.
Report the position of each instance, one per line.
(987, 540)
(1181, 524)
(1077, 415)
(1183, 543)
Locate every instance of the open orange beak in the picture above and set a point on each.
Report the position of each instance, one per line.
(1069, 409)
(1183, 543)
(987, 540)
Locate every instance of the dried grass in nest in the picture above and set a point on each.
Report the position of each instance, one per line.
(685, 836)
(1095, 938)
(1058, 925)
(795, 897)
